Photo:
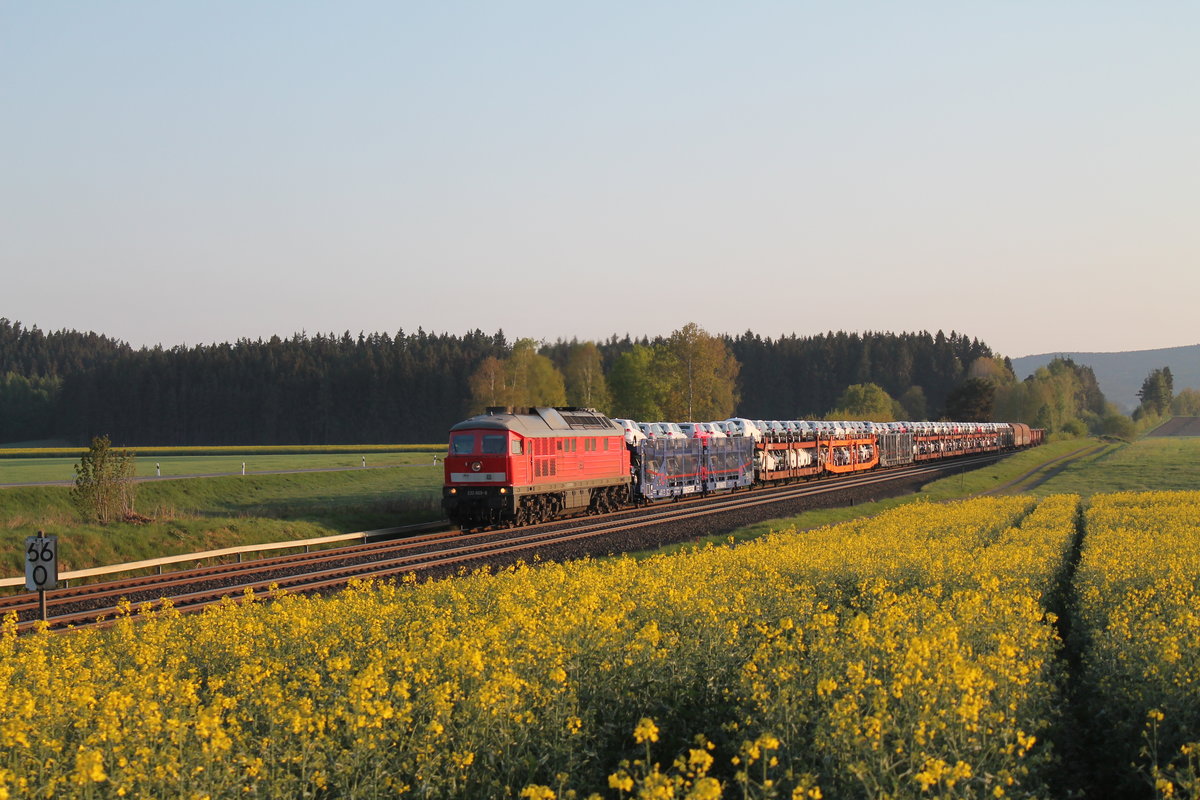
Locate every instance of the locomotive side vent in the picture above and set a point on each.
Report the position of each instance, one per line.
(552, 418)
(590, 422)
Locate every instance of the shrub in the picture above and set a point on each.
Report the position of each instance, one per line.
(104, 486)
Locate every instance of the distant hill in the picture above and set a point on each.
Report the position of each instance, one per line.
(1121, 374)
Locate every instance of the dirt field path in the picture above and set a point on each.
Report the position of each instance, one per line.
(1042, 473)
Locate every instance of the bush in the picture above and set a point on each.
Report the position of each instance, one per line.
(1075, 428)
(1119, 426)
(104, 486)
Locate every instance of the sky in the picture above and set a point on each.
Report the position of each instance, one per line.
(1027, 173)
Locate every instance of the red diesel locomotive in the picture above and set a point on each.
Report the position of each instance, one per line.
(528, 465)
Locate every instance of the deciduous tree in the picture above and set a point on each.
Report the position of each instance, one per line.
(584, 376)
(488, 384)
(105, 488)
(991, 369)
(1118, 426)
(864, 401)
(1186, 403)
(525, 378)
(634, 388)
(699, 375)
(1056, 397)
(535, 379)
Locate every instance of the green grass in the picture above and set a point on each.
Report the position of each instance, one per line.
(1146, 465)
(964, 484)
(1159, 464)
(190, 515)
(45, 469)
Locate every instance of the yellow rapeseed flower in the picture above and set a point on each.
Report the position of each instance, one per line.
(620, 781)
(645, 731)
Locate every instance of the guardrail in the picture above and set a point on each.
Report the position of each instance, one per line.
(65, 578)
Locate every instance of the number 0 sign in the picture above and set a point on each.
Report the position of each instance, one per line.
(41, 562)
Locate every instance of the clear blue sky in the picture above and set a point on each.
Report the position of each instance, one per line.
(1024, 172)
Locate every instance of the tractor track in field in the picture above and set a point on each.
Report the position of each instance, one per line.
(1044, 472)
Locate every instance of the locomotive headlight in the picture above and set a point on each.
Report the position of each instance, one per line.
(454, 491)
(503, 490)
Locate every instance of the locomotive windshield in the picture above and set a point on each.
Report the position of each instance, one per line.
(462, 444)
(493, 444)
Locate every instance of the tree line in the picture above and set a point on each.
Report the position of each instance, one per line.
(320, 389)
(689, 375)
(694, 375)
(411, 387)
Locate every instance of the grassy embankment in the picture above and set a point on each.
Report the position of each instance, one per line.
(1145, 465)
(190, 515)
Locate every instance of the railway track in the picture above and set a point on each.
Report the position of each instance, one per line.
(435, 553)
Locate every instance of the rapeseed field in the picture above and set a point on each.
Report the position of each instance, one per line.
(912, 655)
(1139, 607)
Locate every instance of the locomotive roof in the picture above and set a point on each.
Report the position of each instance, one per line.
(542, 421)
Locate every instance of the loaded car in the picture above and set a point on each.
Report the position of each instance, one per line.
(694, 430)
(633, 431)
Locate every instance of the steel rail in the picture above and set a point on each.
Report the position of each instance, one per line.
(470, 547)
(24, 601)
(239, 551)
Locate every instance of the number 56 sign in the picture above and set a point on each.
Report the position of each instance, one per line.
(41, 562)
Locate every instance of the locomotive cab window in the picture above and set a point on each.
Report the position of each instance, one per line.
(515, 447)
(493, 444)
(462, 444)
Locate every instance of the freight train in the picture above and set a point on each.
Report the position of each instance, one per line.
(517, 466)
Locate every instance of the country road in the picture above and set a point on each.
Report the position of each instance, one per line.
(153, 478)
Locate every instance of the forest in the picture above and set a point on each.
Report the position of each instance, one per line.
(411, 387)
